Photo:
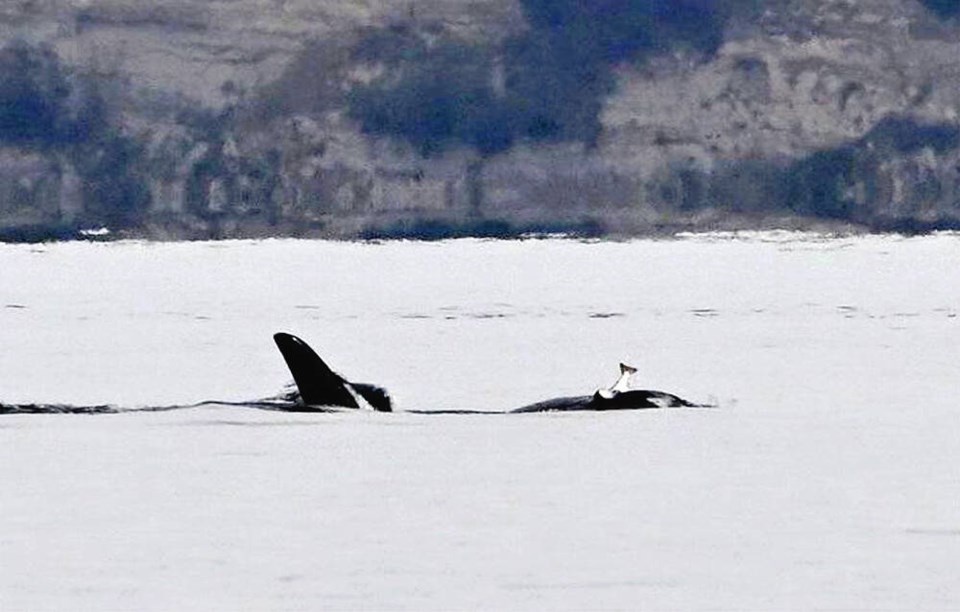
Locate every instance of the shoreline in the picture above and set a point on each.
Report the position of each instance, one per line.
(497, 228)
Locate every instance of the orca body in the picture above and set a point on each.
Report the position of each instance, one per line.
(320, 387)
(618, 397)
(623, 400)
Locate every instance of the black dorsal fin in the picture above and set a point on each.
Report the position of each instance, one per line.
(318, 384)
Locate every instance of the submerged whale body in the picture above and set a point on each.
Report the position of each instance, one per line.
(319, 387)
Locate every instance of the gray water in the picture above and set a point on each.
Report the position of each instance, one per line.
(827, 478)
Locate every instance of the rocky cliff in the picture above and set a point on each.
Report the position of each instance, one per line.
(229, 119)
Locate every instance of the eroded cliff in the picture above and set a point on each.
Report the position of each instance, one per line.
(231, 118)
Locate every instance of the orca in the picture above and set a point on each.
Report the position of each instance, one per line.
(627, 400)
(319, 387)
(618, 397)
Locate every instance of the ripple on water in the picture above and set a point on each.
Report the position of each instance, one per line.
(606, 315)
(704, 312)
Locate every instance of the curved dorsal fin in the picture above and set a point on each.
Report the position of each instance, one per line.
(318, 384)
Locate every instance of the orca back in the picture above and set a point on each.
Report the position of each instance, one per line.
(639, 399)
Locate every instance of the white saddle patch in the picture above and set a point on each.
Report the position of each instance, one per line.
(362, 403)
(660, 402)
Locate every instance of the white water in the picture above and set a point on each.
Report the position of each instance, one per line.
(829, 478)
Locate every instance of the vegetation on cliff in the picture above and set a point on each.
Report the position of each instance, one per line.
(545, 84)
(853, 182)
(47, 109)
(943, 8)
(434, 96)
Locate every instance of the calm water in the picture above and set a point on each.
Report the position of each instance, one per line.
(826, 479)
